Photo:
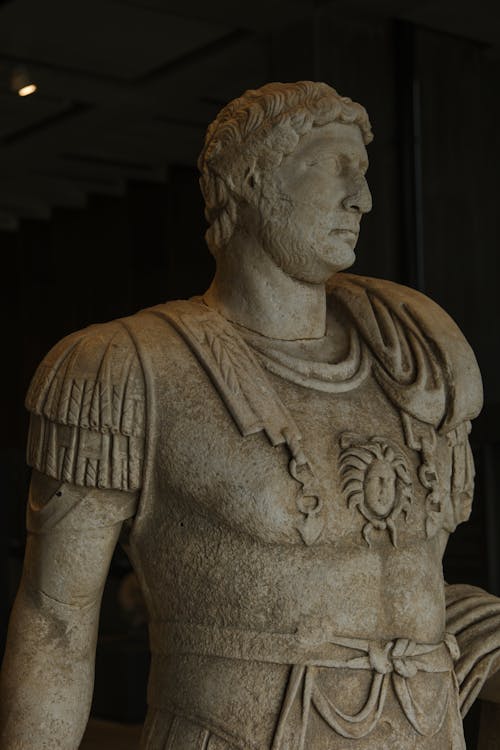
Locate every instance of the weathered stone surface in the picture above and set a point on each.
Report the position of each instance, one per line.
(292, 452)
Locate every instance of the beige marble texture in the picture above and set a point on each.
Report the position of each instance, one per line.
(287, 455)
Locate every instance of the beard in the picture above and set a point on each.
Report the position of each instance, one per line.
(300, 239)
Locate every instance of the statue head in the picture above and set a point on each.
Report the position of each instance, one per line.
(253, 171)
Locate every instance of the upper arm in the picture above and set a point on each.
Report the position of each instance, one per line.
(86, 446)
(72, 533)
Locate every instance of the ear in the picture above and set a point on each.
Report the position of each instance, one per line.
(251, 178)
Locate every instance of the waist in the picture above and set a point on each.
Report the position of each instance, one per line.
(307, 646)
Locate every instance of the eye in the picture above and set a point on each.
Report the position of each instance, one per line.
(327, 161)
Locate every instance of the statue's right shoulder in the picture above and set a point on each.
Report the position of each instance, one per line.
(87, 405)
(88, 397)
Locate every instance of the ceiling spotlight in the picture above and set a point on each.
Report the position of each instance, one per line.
(30, 88)
(22, 82)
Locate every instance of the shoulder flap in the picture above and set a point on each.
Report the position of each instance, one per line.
(87, 404)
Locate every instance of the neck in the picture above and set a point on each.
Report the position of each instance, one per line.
(249, 289)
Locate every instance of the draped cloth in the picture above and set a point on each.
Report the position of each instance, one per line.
(473, 617)
(469, 655)
(392, 665)
(421, 359)
(419, 675)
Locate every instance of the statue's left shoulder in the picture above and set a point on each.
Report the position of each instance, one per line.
(393, 317)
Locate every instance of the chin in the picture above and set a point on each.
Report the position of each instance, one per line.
(321, 276)
(347, 263)
(322, 269)
(312, 260)
(342, 260)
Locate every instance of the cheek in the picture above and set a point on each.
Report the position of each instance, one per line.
(318, 188)
(301, 186)
(310, 205)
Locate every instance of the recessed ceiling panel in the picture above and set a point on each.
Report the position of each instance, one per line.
(105, 38)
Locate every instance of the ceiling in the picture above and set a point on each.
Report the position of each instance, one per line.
(127, 87)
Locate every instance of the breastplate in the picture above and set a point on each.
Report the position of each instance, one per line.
(216, 500)
(217, 541)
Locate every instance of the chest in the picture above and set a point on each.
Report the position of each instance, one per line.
(370, 479)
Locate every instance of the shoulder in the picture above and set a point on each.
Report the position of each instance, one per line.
(93, 379)
(168, 337)
(87, 404)
(395, 296)
(401, 323)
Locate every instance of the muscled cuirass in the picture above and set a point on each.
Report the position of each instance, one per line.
(292, 520)
(224, 502)
(244, 538)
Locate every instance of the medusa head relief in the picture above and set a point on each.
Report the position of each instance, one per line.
(375, 480)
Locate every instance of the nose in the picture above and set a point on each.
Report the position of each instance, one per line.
(359, 199)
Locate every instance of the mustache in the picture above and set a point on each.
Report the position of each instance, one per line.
(344, 222)
(334, 221)
(342, 230)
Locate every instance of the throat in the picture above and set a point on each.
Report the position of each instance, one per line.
(249, 289)
(331, 348)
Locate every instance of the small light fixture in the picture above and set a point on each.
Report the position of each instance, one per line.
(21, 82)
(30, 88)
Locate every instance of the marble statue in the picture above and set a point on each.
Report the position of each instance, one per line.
(286, 455)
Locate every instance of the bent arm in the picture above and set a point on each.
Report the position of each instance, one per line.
(473, 617)
(48, 671)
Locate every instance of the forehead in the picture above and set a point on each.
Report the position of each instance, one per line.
(337, 137)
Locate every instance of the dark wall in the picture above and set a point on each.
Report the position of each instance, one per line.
(459, 108)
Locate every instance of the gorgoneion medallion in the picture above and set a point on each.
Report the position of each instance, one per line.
(375, 480)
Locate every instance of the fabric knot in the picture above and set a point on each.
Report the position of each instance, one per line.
(452, 646)
(379, 657)
(402, 651)
(394, 656)
(404, 667)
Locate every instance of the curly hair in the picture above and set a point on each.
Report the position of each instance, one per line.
(257, 130)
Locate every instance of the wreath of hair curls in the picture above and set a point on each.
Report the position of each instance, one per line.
(257, 130)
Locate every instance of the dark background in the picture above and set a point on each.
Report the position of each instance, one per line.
(100, 211)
